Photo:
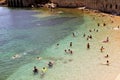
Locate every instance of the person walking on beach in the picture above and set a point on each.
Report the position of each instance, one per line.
(88, 46)
(107, 63)
(102, 48)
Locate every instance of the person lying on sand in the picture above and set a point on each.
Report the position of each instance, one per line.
(107, 40)
(107, 56)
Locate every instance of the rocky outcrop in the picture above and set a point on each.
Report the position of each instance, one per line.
(69, 3)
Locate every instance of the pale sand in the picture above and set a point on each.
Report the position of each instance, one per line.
(118, 77)
(111, 72)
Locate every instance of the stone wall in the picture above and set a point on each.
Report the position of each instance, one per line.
(109, 6)
(20, 3)
(25, 3)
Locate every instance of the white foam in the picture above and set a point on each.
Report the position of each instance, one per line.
(116, 28)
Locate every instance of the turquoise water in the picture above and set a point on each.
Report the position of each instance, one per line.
(29, 33)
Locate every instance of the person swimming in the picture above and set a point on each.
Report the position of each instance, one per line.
(57, 44)
(50, 64)
(38, 58)
(16, 56)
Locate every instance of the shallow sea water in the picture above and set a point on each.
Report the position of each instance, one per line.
(29, 34)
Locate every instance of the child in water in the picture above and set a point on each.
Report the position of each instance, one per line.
(35, 70)
(43, 71)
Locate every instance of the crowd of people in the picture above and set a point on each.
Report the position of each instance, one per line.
(70, 51)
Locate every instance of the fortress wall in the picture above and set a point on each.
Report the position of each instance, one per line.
(110, 6)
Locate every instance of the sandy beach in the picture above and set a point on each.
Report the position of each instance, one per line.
(83, 63)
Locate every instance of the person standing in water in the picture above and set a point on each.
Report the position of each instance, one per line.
(107, 63)
(107, 40)
(35, 70)
(43, 71)
(84, 35)
(70, 44)
(50, 64)
(102, 48)
(73, 34)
